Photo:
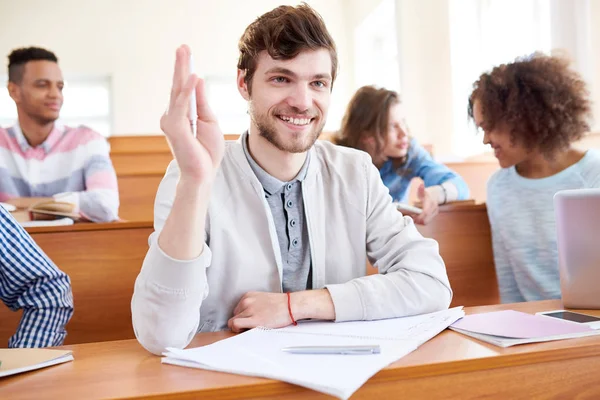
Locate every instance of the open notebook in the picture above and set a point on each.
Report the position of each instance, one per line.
(257, 352)
(53, 208)
(15, 361)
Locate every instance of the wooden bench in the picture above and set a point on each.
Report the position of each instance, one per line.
(102, 261)
(140, 163)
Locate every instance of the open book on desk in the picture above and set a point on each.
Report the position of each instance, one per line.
(508, 328)
(50, 209)
(258, 352)
(15, 361)
(45, 213)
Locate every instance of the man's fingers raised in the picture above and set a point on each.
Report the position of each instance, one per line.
(183, 100)
(204, 111)
(181, 72)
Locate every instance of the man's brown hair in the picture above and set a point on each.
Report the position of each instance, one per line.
(284, 32)
(538, 98)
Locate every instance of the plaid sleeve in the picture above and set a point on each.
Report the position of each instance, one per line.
(31, 282)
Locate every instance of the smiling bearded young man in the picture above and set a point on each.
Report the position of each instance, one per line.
(278, 226)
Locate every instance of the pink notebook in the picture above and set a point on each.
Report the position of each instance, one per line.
(518, 325)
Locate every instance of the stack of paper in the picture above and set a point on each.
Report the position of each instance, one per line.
(258, 352)
(15, 361)
(508, 328)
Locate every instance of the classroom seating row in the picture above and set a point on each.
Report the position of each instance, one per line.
(103, 261)
(141, 162)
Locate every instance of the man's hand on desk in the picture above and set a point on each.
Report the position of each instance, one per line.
(271, 309)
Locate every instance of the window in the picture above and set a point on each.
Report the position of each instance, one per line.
(87, 101)
(227, 104)
(486, 33)
(376, 49)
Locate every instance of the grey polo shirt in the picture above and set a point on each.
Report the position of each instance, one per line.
(287, 208)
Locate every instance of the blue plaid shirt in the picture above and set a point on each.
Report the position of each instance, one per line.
(31, 282)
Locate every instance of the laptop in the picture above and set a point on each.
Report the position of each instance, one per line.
(577, 215)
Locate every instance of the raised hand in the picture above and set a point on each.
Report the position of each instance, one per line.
(198, 157)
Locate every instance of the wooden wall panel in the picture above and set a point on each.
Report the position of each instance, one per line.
(102, 261)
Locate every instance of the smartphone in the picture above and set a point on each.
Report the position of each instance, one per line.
(590, 320)
(407, 208)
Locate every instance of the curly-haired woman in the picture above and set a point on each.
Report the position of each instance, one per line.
(531, 111)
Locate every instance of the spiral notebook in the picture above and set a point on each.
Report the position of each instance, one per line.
(257, 352)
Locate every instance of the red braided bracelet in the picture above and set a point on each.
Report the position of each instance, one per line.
(290, 308)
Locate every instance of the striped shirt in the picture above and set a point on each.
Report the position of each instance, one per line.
(31, 282)
(72, 164)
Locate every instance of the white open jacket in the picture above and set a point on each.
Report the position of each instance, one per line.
(350, 217)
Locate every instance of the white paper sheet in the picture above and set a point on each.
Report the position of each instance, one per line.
(258, 352)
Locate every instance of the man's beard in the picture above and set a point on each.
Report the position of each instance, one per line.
(39, 118)
(267, 129)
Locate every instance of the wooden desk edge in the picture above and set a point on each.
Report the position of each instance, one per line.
(399, 373)
(265, 387)
(462, 207)
(487, 363)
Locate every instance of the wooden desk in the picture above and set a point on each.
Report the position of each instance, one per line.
(464, 235)
(450, 366)
(462, 231)
(476, 174)
(102, 261)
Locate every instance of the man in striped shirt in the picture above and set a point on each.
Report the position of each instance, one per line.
(39, 158)
(31, 282)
